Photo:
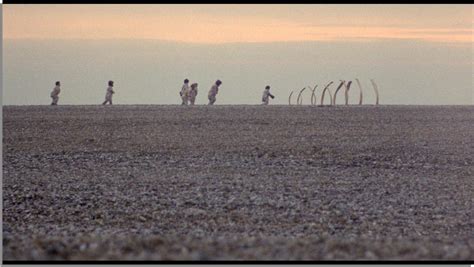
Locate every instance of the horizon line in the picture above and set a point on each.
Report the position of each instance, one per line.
(334, 40)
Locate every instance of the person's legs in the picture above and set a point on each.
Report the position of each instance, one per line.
(212, 99)
(55, 100)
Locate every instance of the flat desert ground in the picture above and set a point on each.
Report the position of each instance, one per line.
(238, 182)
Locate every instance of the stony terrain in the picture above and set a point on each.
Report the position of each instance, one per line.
(238, 182)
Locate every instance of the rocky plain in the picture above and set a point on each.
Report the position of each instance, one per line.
(238, 183)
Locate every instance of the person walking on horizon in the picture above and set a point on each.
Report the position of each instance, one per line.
(193, 93)
(266, 95)
(110, 92)
(55, 93)
(184, 92)
(213, 92)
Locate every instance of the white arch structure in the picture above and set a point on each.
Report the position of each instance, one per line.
(346, 93)
(299, 100)
(360, 90)
(376, 91)
(337, 90)
(324, 93)
(314, 100)
(289, 98)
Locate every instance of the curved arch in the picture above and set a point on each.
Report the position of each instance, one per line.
(299, 100)
(289, 98)
(376, 91)
(346, 93)
(309, 87)
(360, 89)
(337, 90)
(313, 96)
(324, 93)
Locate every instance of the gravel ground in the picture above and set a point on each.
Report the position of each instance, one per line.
(238, 182)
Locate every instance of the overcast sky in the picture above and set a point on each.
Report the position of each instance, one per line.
(419, 54)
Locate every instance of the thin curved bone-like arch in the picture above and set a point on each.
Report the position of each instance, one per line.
(309, 87)
(346, 93)
(324, 93)
(360, 90)
(299, 100)
(337, 90)
(314, 100)
(376, 91)
(289, 98)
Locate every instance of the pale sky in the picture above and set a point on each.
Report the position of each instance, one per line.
(242, 23)
(418, 54)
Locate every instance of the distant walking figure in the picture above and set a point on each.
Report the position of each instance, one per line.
(213, 92)
(266, 95)
(184, 92)
(55, 93)
(193, 93)
(110, 92)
